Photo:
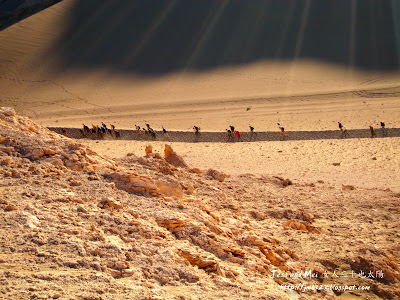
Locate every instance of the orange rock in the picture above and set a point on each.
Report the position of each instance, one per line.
(273, 257)
(254, 240)
(75, 183)
(149, 149)
(16, 174)
(115, 273)
(110, 203)
(196, 171)
(55, 161)
(301, 225)
(134, 183)
(81, 209)
(72, 165)
(348, 187)
(203, 261)
(287, 182)
(36, 153)
(170, 223)
(10, 207)
(173, 158)
(216, 175)
(49, 151)
(170, 188)
(8, 111)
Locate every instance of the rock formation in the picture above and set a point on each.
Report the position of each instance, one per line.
(173, 158)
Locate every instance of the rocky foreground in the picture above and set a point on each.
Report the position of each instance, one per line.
(76, 225)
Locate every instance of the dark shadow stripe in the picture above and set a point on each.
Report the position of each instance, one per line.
(221, 137)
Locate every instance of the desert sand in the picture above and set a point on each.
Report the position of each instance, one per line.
(100, 219)
(368, 163)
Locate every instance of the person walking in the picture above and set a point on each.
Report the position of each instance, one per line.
(253, 134)
(230, 137)
(282, 129)
(165, 133)
(384, 130)
(372, 130)
(343, 131)
(238, 136)
(196, 130)
(85, 128)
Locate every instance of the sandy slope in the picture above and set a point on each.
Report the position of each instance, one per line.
(303, 95)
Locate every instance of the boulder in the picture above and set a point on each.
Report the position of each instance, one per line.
(74, 182)
(287, 182)
(134, 183)
(348, 187)
(10, 207)
(149, 149)
(172, 223)
(36, 153)
(272, 256)
(284, 182)
(50, 151)
(216, 175)
(301, 225)
(173, 158)
(206, 262)
(110, 203)
(16, 174)
(196, 171)
(57, 162)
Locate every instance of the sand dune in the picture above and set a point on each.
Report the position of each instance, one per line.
(303, 94)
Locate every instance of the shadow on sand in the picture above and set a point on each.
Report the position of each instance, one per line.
(157, 36)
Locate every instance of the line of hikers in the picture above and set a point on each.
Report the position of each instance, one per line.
(148, 131)
(345, 134)
(99, 132)
(235, 134)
